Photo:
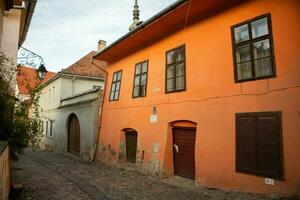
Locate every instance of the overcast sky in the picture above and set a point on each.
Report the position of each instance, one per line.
(62, 31)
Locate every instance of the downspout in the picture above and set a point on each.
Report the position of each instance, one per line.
(100, 113)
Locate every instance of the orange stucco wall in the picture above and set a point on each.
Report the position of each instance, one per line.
(211, 100)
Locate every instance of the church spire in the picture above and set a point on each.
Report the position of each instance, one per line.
(136, 16)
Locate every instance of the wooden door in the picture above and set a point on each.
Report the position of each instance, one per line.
(131, 146)
(74, 136)
(184, 152)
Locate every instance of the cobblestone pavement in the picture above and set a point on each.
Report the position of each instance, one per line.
(54, 176)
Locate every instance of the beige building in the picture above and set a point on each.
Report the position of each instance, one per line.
(15, 18)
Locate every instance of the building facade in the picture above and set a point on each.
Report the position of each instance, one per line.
(70, 104)
(208, 90)
(15, 18)
(28, 81)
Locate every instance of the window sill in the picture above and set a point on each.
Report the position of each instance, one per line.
(260, 175)
(255, 79)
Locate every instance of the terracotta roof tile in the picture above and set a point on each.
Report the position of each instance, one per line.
(27, 79)
(83, 67)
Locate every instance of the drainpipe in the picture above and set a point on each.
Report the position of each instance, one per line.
(100, 113)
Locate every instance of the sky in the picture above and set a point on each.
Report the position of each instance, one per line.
(63, 31)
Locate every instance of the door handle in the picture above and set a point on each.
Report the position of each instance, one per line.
(176, 148)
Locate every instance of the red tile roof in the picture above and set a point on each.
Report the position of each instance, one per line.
(83, 67)
(27, 79)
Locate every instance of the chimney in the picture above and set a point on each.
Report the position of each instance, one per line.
(101, 45)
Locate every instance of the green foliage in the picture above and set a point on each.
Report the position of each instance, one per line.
(20, 122)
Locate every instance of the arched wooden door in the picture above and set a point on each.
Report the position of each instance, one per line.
(184, 152)
(131, 146)
(74, 135)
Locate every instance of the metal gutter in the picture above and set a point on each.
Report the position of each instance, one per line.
(80, 94)
(78, 103)
(143, 25)
(30, 11)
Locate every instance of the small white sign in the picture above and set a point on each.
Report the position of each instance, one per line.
(156, 89)
(155, 147)
(153, 118)
(269, 181)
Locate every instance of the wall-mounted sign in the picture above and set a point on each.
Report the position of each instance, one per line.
(153, 118)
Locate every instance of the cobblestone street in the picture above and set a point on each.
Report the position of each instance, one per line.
(48, 175)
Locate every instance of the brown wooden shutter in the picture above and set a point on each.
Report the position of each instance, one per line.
(245, 143)
(269, 162)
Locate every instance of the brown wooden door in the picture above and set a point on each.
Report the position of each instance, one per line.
(131, 146)
(74, 136)
(184, 152)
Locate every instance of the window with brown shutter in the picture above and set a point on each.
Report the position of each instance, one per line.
(259, 144)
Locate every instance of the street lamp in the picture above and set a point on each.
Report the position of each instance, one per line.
(29, 58)
(42, 71)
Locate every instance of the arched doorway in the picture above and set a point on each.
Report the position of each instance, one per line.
(131, 145)
(184, 139)
(74, 135)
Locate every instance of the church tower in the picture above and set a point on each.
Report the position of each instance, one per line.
(136, 16)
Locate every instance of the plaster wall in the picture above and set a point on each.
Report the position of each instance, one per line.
(50, 95)
(73, 85)
(87, 115)
(56, 109)
(4, 173)
(11, 33)
(211, 99)
(1, 24)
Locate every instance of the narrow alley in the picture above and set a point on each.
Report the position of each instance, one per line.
(53, 176)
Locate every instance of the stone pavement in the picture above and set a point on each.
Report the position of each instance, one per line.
(54, 176)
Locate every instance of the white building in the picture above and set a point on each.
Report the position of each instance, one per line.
(70, 103)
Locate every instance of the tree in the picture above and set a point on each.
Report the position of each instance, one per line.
(17, 125)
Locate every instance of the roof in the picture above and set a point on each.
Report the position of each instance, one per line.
(174, 18)
(84, 67)
(27, 79)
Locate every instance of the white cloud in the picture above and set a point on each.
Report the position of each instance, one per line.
(63, 31)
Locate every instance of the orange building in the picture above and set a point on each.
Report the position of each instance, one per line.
(208, 90)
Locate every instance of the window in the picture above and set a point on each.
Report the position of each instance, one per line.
(51, 124)
(46, 127)
(259, 144)
(97, 87)
(253, 49)
(175, 70)
(115, 86)
(42, 126)
(140, 80)
(53, 94)
(49, 100)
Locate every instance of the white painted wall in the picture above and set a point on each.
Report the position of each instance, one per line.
(87, 113)
(74, 85)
